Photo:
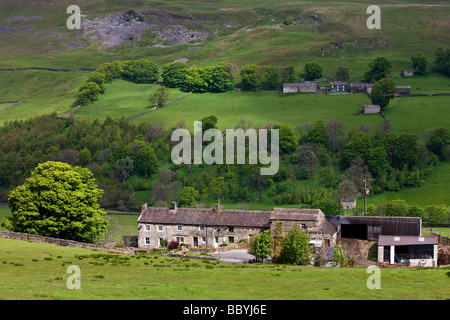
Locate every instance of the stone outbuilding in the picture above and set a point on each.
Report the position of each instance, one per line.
(306, 86)
(403, 90)
(372, 108)
(348, 204)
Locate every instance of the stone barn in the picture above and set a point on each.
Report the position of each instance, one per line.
(359, 87)
(306, 86)
(402, 90)
(348, 204)
(372, 108)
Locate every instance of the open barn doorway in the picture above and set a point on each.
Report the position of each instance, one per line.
(356, 231)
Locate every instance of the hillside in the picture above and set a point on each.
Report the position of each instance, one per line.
(332, 33)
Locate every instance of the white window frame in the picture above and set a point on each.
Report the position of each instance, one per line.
(179, 227)
(179, 239)
(147, 241)
(159, 241)
(148, 227)
(160, 228)
(201, 228)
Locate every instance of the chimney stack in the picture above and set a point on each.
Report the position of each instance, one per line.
(173, 206)
(144, 206)
(216, 207)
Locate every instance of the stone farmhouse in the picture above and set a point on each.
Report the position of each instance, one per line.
(399, 238)
(214, 227)
(306, 86)
(339, 86)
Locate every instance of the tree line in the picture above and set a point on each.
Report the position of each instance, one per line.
(128, 158)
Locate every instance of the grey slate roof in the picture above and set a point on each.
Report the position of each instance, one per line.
(206, 217)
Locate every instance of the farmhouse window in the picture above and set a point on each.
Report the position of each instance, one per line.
(201, 228)
(147, 240)
(302, 226)
(230, 239)
(160, 228)
(147, 227)
(231, 229)
(180, 239)
(180, 227)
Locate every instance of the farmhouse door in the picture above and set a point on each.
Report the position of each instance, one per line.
(195, 241)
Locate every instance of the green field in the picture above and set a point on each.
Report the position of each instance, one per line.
(39, 271)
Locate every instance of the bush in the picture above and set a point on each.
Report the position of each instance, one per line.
(141, 71)
(173, 245)
(249, 77)
(313, 71)
(111, 70)
(174, 74)
(296, 248)
(99, 79)
(87, 93)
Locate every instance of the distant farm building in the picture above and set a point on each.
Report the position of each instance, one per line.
(359, 87)
(372, 108)
(348, 204)
(416, 250)
(306, 86)
(407, 73)
(339, 86)
(402, 90)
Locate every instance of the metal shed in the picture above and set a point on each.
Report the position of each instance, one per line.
(417, 251)
(371, 227)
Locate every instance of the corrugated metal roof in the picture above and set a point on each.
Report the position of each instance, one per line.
(405, 240)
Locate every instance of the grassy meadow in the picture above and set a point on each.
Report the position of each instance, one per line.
(39, 271)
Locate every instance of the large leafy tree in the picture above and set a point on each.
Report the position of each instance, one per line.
(378, 69)
(382, 92)
(419, 63)
(439, 141)
(249, 77)
(60, 201)
(313, 70)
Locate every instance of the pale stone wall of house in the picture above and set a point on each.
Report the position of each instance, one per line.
(193, 235)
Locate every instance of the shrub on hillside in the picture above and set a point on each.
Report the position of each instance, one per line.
(140, 71)
(87, 93)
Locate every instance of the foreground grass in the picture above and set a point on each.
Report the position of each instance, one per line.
(38, 271)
